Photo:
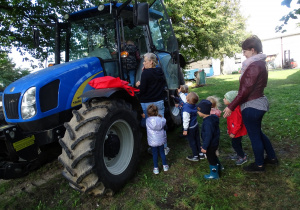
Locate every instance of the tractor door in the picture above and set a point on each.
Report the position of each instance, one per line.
(165, 43)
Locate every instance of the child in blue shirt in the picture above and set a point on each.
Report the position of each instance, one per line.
(190, 126)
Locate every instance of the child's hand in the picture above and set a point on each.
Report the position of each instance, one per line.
(143, 115)
(176, 105)
(203, 150)
(199, 113)
(184, 133)
(231, 135)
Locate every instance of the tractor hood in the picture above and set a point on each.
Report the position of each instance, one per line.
(63, 72)
(59, 85)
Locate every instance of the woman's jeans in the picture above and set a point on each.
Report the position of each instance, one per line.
(237, 146)
(160, 106)
(252, 119)
(161, 151)
(161, 110)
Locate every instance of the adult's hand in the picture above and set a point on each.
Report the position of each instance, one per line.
(138, 83)
(227, 112)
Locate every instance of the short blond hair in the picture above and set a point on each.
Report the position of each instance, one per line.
(215, 101)
(184, 88)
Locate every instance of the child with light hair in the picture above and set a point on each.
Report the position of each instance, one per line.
(215, 105)
(182, 92)
(156, 136)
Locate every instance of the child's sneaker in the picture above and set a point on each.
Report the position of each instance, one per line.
(166, 167)
(155, 171)
(192, 158)
(234, 157)
(167, 150)
(202, 156)
(254, 168)
(241, 161)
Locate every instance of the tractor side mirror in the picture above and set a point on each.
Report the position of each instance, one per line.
(141, 14)
(36, 38)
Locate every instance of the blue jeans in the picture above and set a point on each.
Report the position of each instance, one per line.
(160, 106)
(237, 146)
(260, 142)
(132, 77)
(161, 151)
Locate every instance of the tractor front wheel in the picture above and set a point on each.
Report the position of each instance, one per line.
(101, 147)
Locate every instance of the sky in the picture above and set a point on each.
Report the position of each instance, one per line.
(263, 17)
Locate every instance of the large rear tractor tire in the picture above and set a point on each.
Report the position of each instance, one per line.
(101, 147)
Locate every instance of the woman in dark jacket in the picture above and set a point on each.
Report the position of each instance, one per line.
(254, 104)
(152, 87)
(152, 84)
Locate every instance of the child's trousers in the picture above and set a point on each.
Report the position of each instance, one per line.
(161, 151)
(237, 146)
(211, 155)
(193, 137)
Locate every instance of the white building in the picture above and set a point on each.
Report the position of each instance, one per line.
(278, 49)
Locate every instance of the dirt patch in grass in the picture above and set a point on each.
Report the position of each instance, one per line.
(31, 182)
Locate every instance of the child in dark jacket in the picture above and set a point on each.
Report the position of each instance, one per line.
(210, 134)
(236, 128)
(190, 126)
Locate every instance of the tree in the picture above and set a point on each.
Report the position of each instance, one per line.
(19, 16)
(204, 28)
(292, 15)
(207, 28)
(8, 72)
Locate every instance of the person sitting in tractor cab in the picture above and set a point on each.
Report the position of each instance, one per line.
(130, 60)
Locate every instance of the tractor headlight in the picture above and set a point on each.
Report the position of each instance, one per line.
(28, 107)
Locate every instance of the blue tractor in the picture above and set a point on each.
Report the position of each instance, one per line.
(97, 129)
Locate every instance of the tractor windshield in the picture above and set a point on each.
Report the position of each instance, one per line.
(94, 36)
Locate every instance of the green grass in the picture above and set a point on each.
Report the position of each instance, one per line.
(183, 186)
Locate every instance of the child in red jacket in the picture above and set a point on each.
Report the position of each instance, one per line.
(236, 128)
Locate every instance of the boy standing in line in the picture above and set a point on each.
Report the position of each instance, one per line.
(210, 134)
(190, 126)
